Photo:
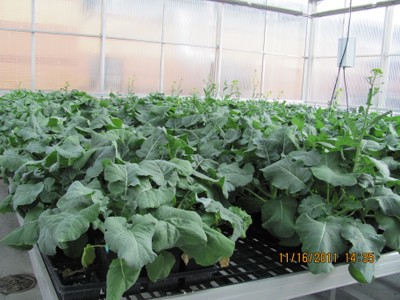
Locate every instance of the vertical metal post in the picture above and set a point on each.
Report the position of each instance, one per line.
(102, 48)
(385, 53)
(263, 62)
(33, 46)
(308, 55)
(162, 50)
(218, 48)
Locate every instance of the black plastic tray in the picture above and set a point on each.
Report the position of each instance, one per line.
(90, 284)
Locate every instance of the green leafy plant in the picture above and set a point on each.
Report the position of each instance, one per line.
(152, 174)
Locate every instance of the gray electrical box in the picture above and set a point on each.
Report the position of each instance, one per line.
(349, 57)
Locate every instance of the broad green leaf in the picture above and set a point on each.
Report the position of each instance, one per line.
(79, 197)
(161, 266)
(154, 145)
(23, 237)
(212, 206)
(386, 200)
(70, 147)
(101, 154)
(382, 168)
(369, 145)
(153, 198)
(314, 206)
(309, 158)
(364, 239)
(266, 148)
(391, 163)
(216, 247)
(74, 249)
(235, 175)
(11, 160)
(210, 148)
(120, 277)
(391, 226)
(160, 171)
(6, 205)
(36, 147)
(177, 227)
(88, 255)
(288, 175)
(60, 227)
(132, 242)
(320, 236)
(120, 177)
(83, 159)
(183, 167)
(278, 216)
(178, 145)
(334, 177)
(27, 193)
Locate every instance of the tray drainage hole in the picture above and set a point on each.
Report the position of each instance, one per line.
(251, 276)
(17, 283)
(233, 280)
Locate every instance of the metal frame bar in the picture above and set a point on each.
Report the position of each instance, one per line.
(354, 9)
(33, 46)
(261, 6)
(103, 47)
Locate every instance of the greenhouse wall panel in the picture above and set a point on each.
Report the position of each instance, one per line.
(16, 14)
(82, 17)
(245, 68)
(186, 69)
(285, 34)
(67, 60)
(132, 66)
(393, 87)
(243, 28)
(15, 60)
(289, 84)
(134, 19)
(368, 28)
(182, 19)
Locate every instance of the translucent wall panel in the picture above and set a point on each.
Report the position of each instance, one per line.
(191, 22)
(243, 67)
(323, 76)
(76, 16)
(395, 46)
(327, 32)
(72, 59)
(187, 68)
(299, 5)
(132, 66)
(393, 84)
(286, 34)
(135, 19)
(368, 27)
(15, 60)
(283, 77)
(15, 14)
(243, 28)
(356, 80)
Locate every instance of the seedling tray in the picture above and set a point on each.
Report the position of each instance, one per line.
(256, 257)
(90, 284)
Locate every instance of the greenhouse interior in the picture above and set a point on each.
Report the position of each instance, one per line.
(194, 149)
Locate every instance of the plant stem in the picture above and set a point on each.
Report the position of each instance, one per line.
(255, 195)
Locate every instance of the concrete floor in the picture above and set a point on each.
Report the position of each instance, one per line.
(14, 261)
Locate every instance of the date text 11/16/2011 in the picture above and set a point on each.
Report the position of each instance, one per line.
(326, 257)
